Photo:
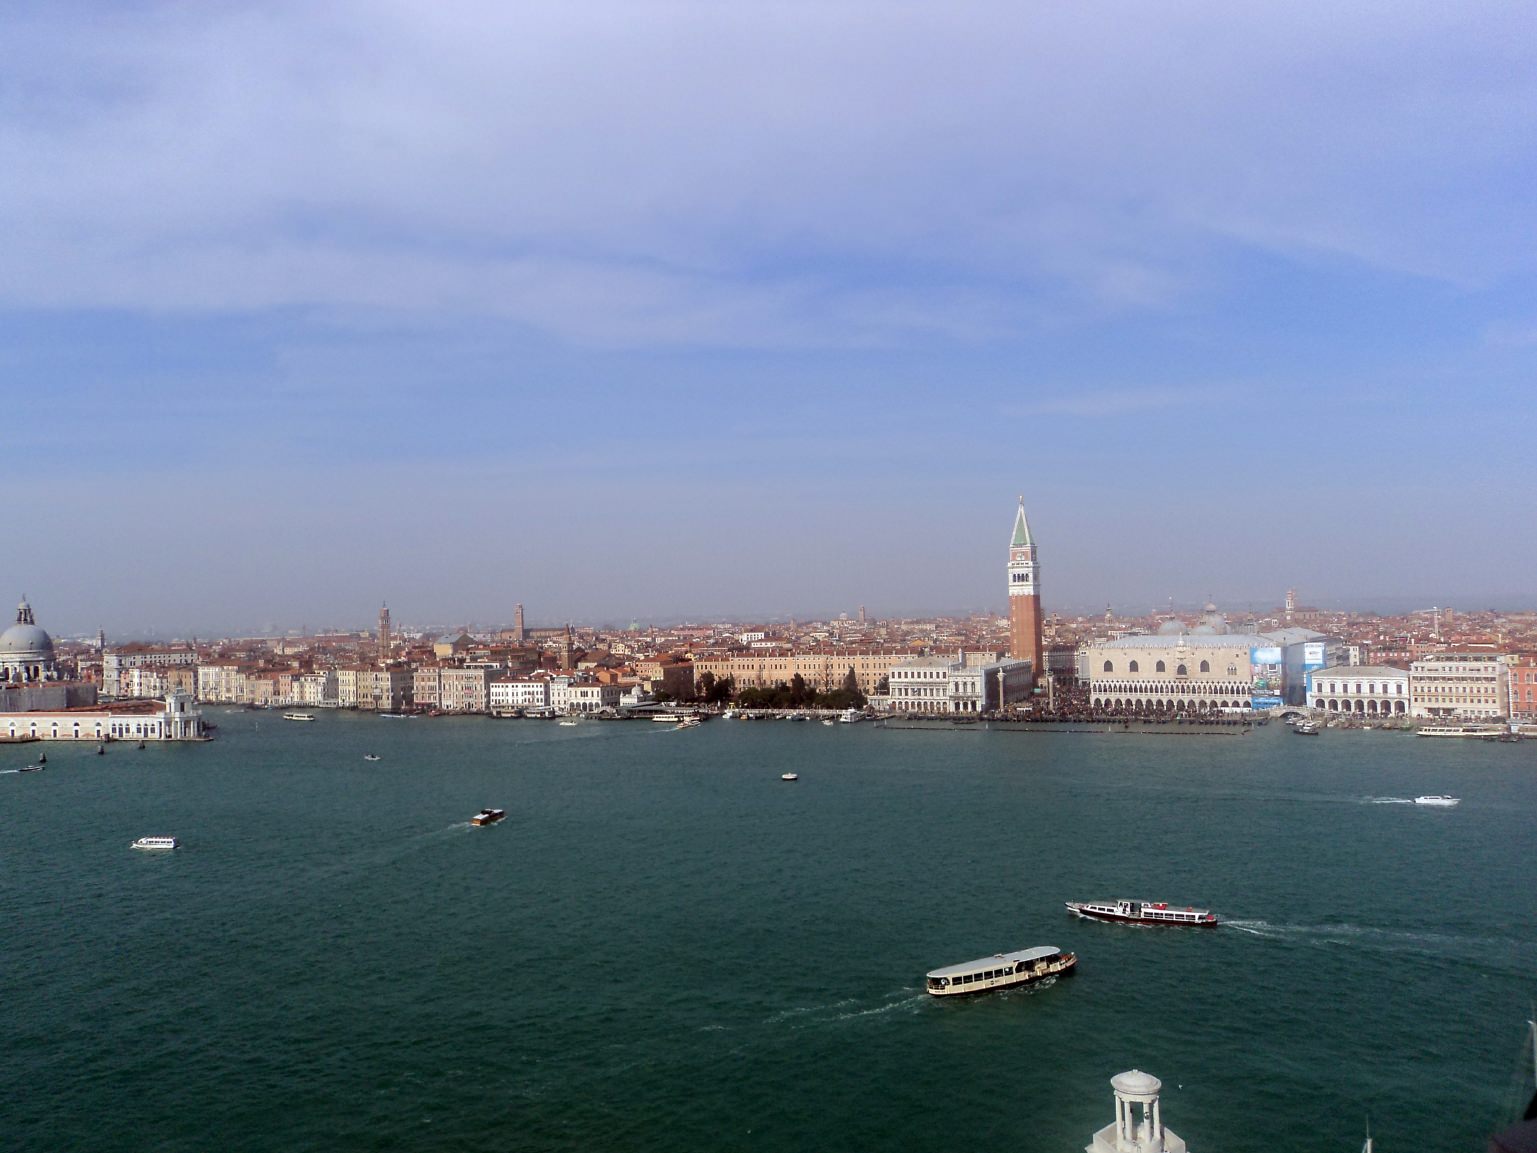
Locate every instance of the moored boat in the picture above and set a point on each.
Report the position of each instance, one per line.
(488, 816)
(1000, 971)
(155, 843)
(1141, 912)
(1439, 800)
(1305, 729)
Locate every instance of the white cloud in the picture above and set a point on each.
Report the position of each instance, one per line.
(759, 174)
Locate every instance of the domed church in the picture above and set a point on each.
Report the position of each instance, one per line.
(26, 651)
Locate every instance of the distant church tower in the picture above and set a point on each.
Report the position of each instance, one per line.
(384, 634)
(1024, 597)
(518, 632)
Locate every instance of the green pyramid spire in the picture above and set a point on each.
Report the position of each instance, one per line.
(1021, 528)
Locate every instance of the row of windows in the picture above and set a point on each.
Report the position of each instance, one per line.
(1180, 671)
(1389, 688)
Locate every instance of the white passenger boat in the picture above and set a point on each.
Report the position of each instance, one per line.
(1438, 800)
(851, 717)
(1141, 912)
(298, 716)
(1476, 732)
(1000, 971)
(155, 843)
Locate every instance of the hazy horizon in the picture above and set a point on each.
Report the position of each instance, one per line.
(659, 310)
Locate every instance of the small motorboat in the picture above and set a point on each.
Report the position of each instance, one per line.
(370, 756)
(1438, 800)
(155, 843)
(488, 817)
(789, 776)
(37, 768)
(828, 721)
(568, 723)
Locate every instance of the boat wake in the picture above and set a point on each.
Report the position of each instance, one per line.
(1387, 800)
(1495, 953)
(849, 1009)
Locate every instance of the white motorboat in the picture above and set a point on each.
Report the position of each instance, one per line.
(1438, 800)
(370, 756)
(789, 776)
(155, 843)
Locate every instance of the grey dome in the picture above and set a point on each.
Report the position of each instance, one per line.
(25, 641)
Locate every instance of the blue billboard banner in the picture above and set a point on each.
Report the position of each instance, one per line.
(1265, 663)
(1313, 656)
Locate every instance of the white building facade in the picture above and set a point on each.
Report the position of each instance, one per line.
(1450, 685)
(1362, 690)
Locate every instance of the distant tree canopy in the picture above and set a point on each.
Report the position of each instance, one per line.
(799, 695)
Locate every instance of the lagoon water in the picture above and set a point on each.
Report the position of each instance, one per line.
(665, 947)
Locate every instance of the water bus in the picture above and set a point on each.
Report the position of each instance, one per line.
(1141, 912)
(1001, 971)
(155, 843)
(298, 716)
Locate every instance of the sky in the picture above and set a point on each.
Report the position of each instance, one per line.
(654, 310)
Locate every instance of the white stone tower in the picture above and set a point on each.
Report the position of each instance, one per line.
(1132, 1133)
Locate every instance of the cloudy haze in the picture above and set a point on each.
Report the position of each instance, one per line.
(648, 310)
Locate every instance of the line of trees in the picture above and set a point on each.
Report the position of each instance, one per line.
(795, 695)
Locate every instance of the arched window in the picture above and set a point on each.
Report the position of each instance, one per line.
(1182, 671)
(1160, 667)
(1109, 668)
(1232, 670)
(1133, 666)
(1206, 666)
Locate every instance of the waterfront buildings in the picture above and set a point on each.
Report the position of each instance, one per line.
(1365, 690)
(1523, 687)
(1179, 672)
(176, 718)
(1463, 685)
(971, 684)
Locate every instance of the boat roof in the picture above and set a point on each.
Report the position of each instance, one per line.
(1034, 954)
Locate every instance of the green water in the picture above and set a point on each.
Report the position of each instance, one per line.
(665, 947)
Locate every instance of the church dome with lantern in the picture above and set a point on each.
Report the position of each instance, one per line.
(26, 651)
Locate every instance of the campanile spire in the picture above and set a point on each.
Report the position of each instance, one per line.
(1025, 641)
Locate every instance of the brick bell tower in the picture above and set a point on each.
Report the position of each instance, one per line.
(1024, 598)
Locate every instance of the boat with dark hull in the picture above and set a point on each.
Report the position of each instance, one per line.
(1142, 912)
(487, 817)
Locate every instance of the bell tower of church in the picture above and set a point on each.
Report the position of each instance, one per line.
(1024, 597)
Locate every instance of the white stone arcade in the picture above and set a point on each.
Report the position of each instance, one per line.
(1138, 1126)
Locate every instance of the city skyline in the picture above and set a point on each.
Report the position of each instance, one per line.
(654, 312)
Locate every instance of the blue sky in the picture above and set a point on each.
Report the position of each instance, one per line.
(651, 310)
